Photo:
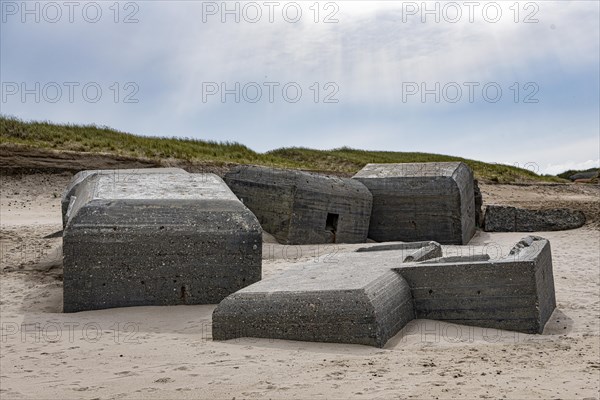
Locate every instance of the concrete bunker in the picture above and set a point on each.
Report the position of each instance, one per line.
(157, 239)
(367, 297)
(421, 201)
(304, 208)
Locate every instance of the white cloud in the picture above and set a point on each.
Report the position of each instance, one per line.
(369, 53)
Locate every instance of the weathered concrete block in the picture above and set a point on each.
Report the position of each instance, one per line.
(345, 302)
(514, 293)
(304, 208)
(423, 201)
(512, 219)
(157, 239)
(357, 300)
(116, 174)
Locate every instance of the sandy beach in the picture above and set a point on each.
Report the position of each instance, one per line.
(167, 352)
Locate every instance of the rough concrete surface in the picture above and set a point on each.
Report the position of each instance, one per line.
(512, 219)
(157, 239)
(116, 174)
(357, 299)
(349, 301)
(421, 201)
(304, 208)
(513, 293)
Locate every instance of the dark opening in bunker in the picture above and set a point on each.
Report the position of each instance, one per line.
(332, 222)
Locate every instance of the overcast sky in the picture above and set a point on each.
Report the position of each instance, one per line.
(488, 80)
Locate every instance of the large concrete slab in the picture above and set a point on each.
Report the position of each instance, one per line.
(304, 208)
(421, 201)
(157, 239)
(366, 297)
(116, 174)
(351, 301)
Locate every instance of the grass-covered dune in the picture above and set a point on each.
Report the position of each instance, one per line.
(103, 140)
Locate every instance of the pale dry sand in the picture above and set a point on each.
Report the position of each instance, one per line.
(167, 352)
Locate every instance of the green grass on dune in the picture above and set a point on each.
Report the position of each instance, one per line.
(352, 160)
(94, 139)
(90, 138)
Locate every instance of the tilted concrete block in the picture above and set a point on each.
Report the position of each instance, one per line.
(157, 239)
(304, 208)
(421, 201)
(350, 301)
(514, 293)
(116, 174)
